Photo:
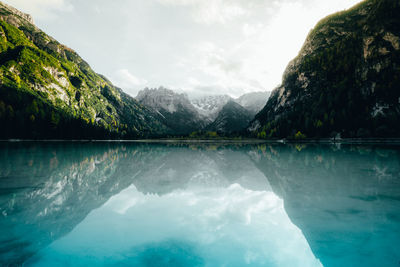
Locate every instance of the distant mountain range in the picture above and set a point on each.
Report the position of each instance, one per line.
(173, 109)
(219, 113)
(48, 91)
(345, 82)
(210, 106)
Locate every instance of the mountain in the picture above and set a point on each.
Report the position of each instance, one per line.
(219, 113)
(233, 118)
(345, 80)
(253, 102)
(48, 91)
(210, 106)
(173, 109)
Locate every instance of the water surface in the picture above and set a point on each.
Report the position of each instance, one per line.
(127, 204)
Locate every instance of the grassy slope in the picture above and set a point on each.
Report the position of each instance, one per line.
(48, 91)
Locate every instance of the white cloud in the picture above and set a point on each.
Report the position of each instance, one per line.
(198, 46)
(41, 9)
(268, 35)
(125, 79)
(216, 11)
(253, 223)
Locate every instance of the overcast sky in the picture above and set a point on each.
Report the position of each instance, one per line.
(197, 46)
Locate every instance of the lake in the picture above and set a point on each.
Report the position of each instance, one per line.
(154, 204)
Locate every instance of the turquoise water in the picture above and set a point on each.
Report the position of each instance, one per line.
(127, 204)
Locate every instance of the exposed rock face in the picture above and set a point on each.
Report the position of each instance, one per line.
(18, 14)
(174, 110)
(210, 106)
(163, 99)
(233, 118)
(48, 91)
(219, 113)
(345, 79)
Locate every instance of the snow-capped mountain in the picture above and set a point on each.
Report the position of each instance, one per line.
(253, 102)
(219, 113)
(163, 99)
(210, 106)
(174, 109)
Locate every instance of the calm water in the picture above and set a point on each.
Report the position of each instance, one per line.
(125, 204)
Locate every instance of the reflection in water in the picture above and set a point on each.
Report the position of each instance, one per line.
(216, 226)
(344, 199)
(178, 205)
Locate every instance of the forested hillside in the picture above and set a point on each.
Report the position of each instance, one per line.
(344, 82)
(48, 91)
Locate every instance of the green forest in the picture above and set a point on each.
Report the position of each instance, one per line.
(351, 89)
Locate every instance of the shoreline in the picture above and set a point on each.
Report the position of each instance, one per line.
(226, 141)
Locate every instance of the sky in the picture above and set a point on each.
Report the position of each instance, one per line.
(201, 47)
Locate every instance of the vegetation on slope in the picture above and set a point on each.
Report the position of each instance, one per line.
(48, 91)
(345, 81)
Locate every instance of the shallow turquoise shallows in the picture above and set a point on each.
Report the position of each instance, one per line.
(131, 204)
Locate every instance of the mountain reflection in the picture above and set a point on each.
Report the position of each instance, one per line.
(47, 189)
(199, 205)
(344, 199)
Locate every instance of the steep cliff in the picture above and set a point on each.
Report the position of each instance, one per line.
(209, 106)
(173, 109)
(345, 80)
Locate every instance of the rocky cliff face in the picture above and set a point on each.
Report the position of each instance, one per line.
(210, 106)
(219, 113)
(48, 91)
(345, 80)
(173, 109)
(18, 17)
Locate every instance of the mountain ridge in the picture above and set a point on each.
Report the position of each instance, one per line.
(344, 82)
(219, 113)
(232, 119)
(48, 91)
(174, 110)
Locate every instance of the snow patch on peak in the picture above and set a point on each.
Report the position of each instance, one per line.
(210, 106)
(163, 99)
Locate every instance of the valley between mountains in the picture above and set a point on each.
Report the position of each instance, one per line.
(345, 82)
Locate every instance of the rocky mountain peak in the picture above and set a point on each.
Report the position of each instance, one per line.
(163, 99)
(5, 11)
(209, 106)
